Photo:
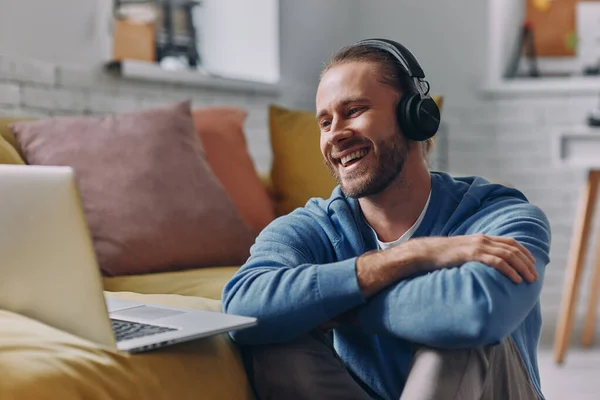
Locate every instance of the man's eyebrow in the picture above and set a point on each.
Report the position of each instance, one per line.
(344, 103)
(321, 114)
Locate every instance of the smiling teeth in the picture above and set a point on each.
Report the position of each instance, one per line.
(357, 154)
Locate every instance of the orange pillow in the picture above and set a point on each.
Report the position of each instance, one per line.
(221, 130)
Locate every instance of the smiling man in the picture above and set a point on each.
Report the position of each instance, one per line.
(428, 283)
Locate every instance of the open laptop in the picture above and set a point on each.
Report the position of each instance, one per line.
(49, 271)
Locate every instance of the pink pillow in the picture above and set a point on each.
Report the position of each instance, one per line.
(151, 201)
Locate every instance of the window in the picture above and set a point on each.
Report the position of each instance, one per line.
(237, 39)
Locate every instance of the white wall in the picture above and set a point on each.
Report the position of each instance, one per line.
(447, 37)
(237, 41)
(61, 31)
(311, 31)
(505, 18)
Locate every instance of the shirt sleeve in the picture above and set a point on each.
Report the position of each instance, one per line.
(470, 305)
(290, 283)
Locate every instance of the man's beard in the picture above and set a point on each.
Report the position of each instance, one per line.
(389, 164)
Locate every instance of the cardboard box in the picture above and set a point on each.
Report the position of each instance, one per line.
(134, 40)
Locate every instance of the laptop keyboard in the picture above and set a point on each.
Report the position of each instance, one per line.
(125, 330)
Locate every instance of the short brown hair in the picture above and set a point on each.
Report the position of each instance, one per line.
(392, 74)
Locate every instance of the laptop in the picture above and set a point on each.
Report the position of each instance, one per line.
(49, 270)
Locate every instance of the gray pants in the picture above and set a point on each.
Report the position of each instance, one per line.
(309, 368)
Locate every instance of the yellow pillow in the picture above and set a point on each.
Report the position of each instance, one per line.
(298, 171)
(8, 154)
(6, 133)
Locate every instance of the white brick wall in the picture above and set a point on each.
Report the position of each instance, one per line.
(33, 88)
(55, 99)
(30, 71)
(10, 94)
(509, 139)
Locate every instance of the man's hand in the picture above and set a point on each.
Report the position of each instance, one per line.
(502, 253)
(379, 269)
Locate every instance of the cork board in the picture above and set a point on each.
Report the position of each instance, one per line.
(553, 24)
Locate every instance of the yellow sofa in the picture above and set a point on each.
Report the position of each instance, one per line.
(40, 362)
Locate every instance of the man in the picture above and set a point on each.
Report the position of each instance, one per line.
(430, 283)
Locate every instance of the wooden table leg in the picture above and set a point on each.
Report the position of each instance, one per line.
(589, 329)
(575, 267)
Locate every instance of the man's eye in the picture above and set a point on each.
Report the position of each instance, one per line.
(354, 110)
(325, 124)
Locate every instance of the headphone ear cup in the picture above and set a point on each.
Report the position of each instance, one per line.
(405, 118)
(427, 118)
(419, 119)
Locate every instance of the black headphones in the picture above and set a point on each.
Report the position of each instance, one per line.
(418, 114)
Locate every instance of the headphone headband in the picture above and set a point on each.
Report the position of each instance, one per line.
(401, 53)
(418, 115)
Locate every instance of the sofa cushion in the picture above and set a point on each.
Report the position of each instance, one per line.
(151, 201)
(40, 362)
(201, 282)
(222, 132)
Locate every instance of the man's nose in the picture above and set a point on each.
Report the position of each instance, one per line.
(339, 132)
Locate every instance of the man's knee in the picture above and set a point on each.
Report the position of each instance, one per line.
(305, 368)
(489, 372)
(447, 374)
(435, 359)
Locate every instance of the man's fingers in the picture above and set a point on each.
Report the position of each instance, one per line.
(514, 247)
(512, 242)
(504, 254)
(509, 260)
(519, 260)
(515, 253)
(502, 266)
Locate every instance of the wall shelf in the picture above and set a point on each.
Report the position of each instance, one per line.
(577, 147)
(147, 71)
(582, 85)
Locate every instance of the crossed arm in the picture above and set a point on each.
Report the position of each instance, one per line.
(289, 285)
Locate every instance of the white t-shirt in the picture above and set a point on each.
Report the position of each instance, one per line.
(407, 235)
